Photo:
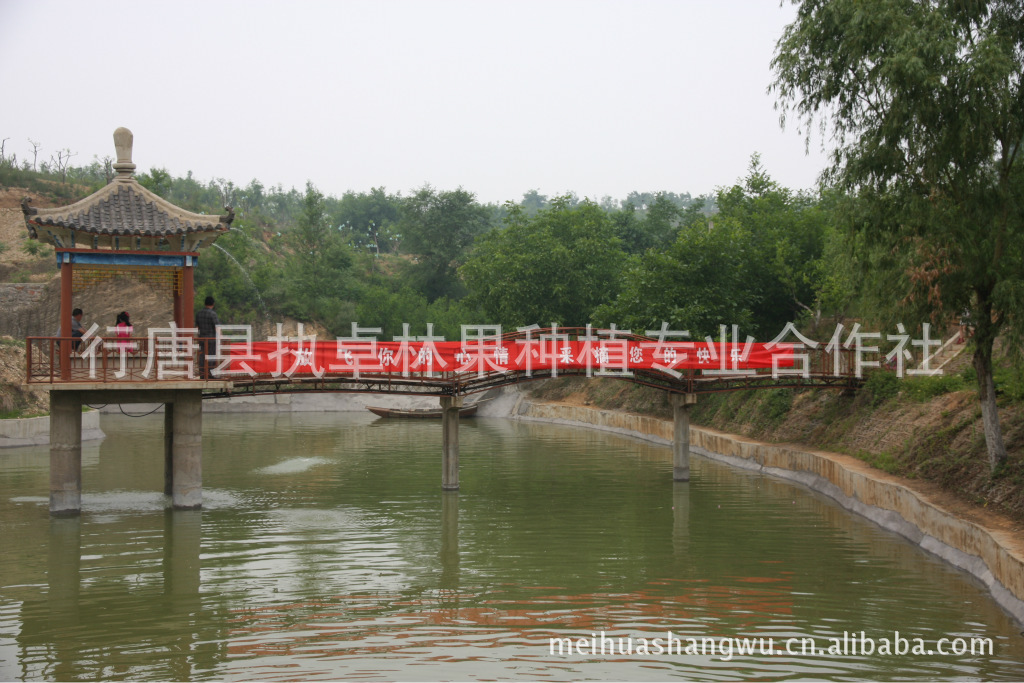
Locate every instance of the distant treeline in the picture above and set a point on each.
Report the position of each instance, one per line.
(755, 254)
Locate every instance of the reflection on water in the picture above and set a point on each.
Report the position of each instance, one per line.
(326, 549)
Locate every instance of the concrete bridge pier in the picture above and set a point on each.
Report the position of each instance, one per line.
(183, 440)
(183, 449)
(681, 404)
(450, 406)
(65, 453)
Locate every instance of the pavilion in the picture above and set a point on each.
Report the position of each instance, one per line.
(124, 230)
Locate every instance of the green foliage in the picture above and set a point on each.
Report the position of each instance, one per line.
(925, 388)
(157, 181)
(368, 220)
(438, 228)
(553, 267)
(380, 307)
(34, 247)
(388, 310)
(785, 239)
(1009, 381)
(238, 272)
(885, 461)
(924, 100)
(882, 385)
(318, 274)
(753, 265)
(777, 404)
(695, 285)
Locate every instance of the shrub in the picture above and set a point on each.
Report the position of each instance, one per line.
(32, 247)
(925, 388)
(777, 403)
(882, 385)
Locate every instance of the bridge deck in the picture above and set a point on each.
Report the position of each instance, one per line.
(139, 363)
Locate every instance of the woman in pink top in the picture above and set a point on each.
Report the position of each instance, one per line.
(124, 331)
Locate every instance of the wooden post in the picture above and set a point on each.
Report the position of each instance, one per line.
(681, 404)
(450, 442)
(65, 319)
(65, 453)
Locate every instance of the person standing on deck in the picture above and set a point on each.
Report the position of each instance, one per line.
(77, 329)
(206, 324)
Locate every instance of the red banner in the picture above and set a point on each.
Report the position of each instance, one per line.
(481, 356)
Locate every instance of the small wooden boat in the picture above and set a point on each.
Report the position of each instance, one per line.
(421, 413)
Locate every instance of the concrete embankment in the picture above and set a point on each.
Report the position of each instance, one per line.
(994, 556)
(34, 431)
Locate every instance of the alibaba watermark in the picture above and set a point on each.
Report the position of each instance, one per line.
(601, 644)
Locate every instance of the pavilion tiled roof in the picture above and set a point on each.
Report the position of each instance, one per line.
(124, 209)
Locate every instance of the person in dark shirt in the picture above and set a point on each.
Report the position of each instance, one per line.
(77, 329)
(206, 324)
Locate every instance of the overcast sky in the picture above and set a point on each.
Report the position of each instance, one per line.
(498, 97)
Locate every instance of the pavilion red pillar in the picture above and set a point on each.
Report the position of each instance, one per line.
(177, 305)
(188, 295)
(177, 310)
(65, 320)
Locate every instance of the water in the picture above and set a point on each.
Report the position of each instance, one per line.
(326, 550)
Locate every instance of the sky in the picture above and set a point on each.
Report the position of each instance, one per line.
(499, 97)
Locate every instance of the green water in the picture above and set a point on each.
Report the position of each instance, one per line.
(327, 550)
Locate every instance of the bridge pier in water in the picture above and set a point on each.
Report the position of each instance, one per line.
(183, 440)
(183, 449)
(450, 406)
(65, 453)
(681, 405)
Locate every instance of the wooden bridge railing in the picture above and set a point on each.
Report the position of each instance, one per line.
(116, 360)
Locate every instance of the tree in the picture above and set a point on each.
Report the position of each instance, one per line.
(785, 232)
(61, 160)
(438, 227)
(556, 266)
(368, 219)
(700, 282)
(755, 265)
(35, 152)
(533, 201)
(924, 100)
(158, 181)
(318, 277)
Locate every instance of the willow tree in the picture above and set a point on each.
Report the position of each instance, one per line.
(924, 104)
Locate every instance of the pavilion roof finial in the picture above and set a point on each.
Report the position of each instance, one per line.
(123, 144)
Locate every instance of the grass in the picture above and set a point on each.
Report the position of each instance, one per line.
(925, 388)
(19, 413)
(885, 461)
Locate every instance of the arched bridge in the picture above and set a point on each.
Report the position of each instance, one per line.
(171, 367)
(234, 365)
